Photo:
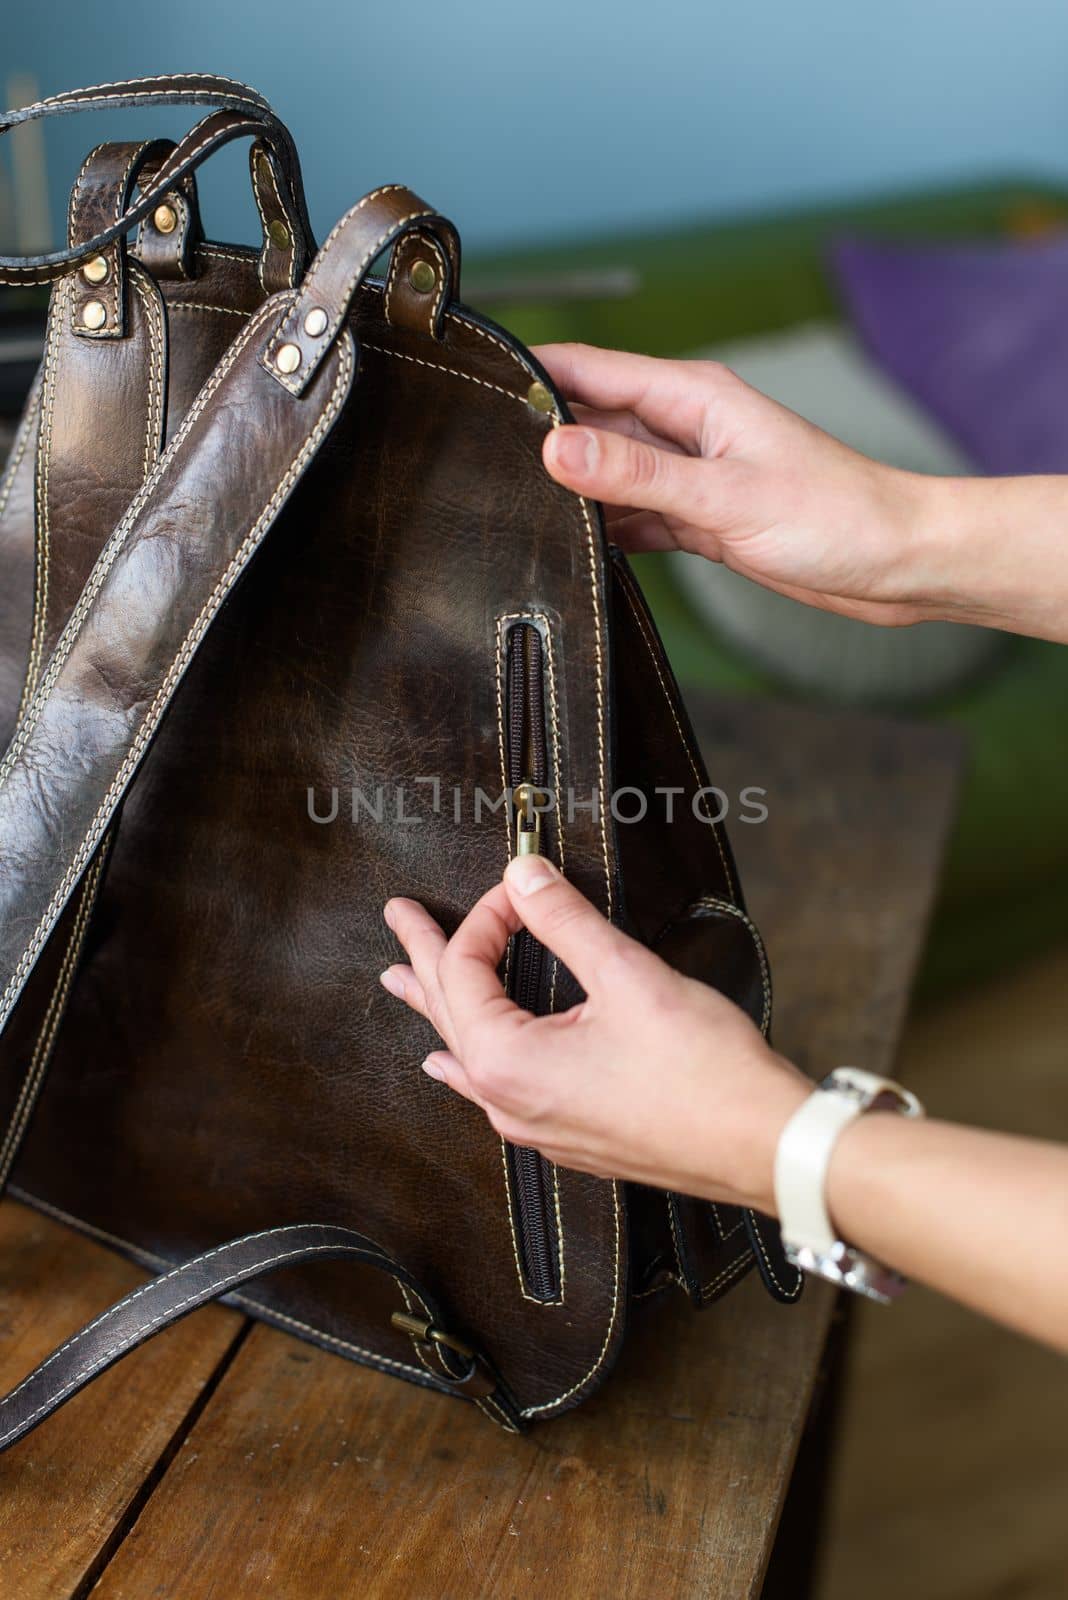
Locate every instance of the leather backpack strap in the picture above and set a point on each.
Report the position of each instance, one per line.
(167, 569)
(240, 113)
(458, 1369)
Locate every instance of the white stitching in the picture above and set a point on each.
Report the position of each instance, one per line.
(503, 621)
(117, 538)
(177, 667)
(169, 1315)
(56, 320)
(435, 366)
(729, 1272)
(122, 88)
(50, 1025)
(152, 1259)
(201, 305)
(22, 440)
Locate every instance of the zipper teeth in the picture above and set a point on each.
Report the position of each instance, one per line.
(527, 760)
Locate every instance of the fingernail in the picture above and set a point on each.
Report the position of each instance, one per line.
(575, 450)
(528, 874)
(387, 913)
(432, 1070)
(393, 982)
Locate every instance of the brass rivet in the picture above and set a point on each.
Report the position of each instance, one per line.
(539, 397)
(165, 219)
(94, 314)
(422, 277)
(288, 358)
(315, 322)
(279, 234)
(96, 271)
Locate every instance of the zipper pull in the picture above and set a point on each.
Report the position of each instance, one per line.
(526, 798)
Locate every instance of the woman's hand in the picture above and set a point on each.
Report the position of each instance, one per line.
(654, 1077)
(687, 456)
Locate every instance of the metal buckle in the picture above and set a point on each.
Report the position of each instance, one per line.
(424, 1332)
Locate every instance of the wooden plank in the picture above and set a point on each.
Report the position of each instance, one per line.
(68, 1489)
(305, 1475)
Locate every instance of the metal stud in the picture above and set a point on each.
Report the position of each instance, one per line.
(94, 314)
(97, 270)
(315, 323)
(539, 398)
(422, 277)
(165, 219)
(279, 234)
(288, 358)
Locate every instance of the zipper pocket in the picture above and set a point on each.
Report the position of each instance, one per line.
(530, 1176)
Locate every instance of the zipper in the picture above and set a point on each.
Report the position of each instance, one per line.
(527, 764)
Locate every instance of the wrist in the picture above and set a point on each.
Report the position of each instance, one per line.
(774, 1093)
(989, 551)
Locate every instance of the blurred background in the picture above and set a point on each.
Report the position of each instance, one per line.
(864, 209)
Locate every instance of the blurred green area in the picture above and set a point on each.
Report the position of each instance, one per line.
(1006, 877)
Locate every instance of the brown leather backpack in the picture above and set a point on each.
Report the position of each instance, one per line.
(199, 812)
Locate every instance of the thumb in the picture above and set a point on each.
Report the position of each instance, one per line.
(567, 924)
(623, 471)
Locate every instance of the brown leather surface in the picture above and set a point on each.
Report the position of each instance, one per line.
(227, 1060)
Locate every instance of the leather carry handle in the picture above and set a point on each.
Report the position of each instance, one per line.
(240, 113)
(452, 1365)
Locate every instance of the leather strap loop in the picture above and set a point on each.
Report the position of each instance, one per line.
(164, 1300)
(241, 113)
(371, 226)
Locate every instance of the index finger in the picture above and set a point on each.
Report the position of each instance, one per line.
(667, 396)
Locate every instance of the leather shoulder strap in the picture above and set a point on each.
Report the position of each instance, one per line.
(452, 1365)
(151, 597)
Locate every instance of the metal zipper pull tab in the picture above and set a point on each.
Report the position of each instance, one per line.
(526, 799)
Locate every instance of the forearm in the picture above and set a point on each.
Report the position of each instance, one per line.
(993, 551)
(982, 1217)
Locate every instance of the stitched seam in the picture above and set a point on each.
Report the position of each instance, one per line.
(502, 622)
(262, 157)
(787, 1294)
(512, 1228)
(200, 1297)
(111, 549)
(152, 1258)
(650, 647)
(728, 1272)
(121, 89)
(57, 314)
(200, 305)
(57, 1004)
(177, 667)
(219, 252)
(676, 1244)
(21, 444)
(454, 372)
(76, 194)
(154, 330)
(616, 1213)
(715, 903)
(49, 1028)
(724, 1233)
(391, 280)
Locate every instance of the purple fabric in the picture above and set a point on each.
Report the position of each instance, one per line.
(978, 334)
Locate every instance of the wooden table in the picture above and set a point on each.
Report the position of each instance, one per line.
(227, 1459)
